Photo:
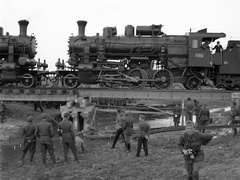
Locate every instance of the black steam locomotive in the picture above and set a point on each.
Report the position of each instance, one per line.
(150, 58)
(17, 63)
(147, 58)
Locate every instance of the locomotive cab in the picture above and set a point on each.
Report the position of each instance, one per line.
(200, 54)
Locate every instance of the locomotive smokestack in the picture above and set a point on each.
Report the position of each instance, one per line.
(23, 27)
(81, 28)
(1, 31)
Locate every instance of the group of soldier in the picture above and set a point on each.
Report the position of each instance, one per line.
(44, 132)
(190, 142)
(192, 108)
(124, 127)
(202, 114)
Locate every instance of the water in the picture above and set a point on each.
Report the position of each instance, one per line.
(14, 151)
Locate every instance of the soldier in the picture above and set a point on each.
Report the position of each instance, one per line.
(38, 104)
(30, 139)
(1, 111)
(119, 123)
(205, 45)
(189, 109)
(204, 116)
(68, 137)
(143, 135)
(44, 131)
(89, 129)
(80, 142)
(233, 114)
(218, 47)
(127, 131)
(190, 145)
(177, 110)
(197, 110)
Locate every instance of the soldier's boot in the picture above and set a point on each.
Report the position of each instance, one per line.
(53, 158)
(195, 176)
(190, 177)
(234, 132)
(129, 147)
(22, 159)
(123, 139)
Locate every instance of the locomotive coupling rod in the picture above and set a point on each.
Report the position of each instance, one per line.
(130, 79)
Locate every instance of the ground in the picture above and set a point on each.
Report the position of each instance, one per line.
(165, 162)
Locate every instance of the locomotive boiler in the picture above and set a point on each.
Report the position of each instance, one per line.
(148, 58)
(17, 63)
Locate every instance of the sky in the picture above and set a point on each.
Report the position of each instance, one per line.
(53, 21)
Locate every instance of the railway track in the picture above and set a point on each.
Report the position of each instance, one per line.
(65, 94)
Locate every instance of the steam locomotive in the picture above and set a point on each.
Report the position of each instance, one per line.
(17, 63)
(147, 58)
(150, 58)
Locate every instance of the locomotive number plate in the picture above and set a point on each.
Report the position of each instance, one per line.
(199, 55)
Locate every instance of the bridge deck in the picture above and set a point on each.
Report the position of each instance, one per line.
(58, 94)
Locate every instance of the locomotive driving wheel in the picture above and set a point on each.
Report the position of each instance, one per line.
(110, 79)
(70, 81)
(163, 79)
(27, 80)
(137, 78)
(193, 83)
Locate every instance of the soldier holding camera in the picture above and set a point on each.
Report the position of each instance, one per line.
(190, 144)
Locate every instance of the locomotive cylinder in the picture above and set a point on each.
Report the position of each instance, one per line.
(23, 27)
(81, 28)
(23, 61)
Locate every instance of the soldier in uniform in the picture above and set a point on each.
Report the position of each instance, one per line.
(233, 114)
(143, 135)
(119, 123)
(127, 131)
(68, 137)
(44, 131)
(218, 47)
(204, 116)
(189, 109)
(2, 107)
(177, 110)
(30, 139)
(190, 145)
(38, 104)
(197, 110)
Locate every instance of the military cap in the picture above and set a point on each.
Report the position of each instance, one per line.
(45, 116)
(190, 124)
(66, 114)
(80, 133)
(30, 119)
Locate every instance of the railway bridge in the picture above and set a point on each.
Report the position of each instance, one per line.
(63, 94)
